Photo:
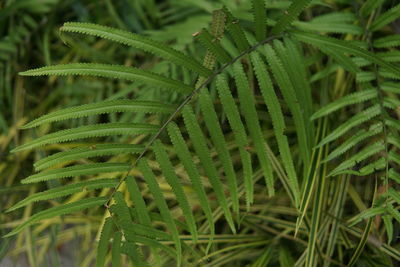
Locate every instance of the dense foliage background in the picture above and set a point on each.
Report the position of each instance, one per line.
(30, 38)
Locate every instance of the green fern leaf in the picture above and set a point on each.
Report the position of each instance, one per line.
(236, 31)
(102, 247)
(387, 41)
(275, 111)
(290, 15)
(161, 204)
(354, 140)
(290, 96)
(246, 98)
(354, 121)
(387, 220)
(217, 137)
(386, 18)
(111, 71)
(77, 170)
(186, 159)
(124, 221)
(371, 212)
(260, 19)
(168, 172)
(377, 165)
(132, 250)
(394, 195)
(393, 212)
(345, 46)
(394, 175)
(87, 152)
(136, 197)
(347, 100)
(137, 41)
(343, 60)
(95, 130)
(358, 157)
(64, 191)
(104, 107)
(240, 135)
(116, 249)
(200, 146)
(370, 5)
(210, 42)
(63, 209)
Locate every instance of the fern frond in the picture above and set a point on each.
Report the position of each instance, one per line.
(358, 157)
(394, 157)
(155, 244)
(87, 152)
(354, 121)
(200, 146)
(211, 44)
(186, 159)
(387, 41)
(95, 130)
(347, 100)
(370, 5)
(298, 70)
(236, 31)
(104, 107)
(137, 198)
(137, 41)
(393, 212)
(116, 249)
(343, 60)
(345, 46)
(65, 190)
(394, 175)
(290, 96)
(260, 19)
(161, 204)
(168, 172)
(217, 137)
(59, 210)
(239, 133)
(354, 140)
(102, 246)
(124, 221)
(329, 27)
(246, 98)
(131, 249)
(394, 195)
(386, 18)
(77, 170)
(111, 71)
(275, 111)
(377, 165)
(290, 15)
(387, 220)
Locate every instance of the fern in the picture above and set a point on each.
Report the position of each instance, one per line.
(105, 107)
(111, 71)
(137, 41)
(87, 152)
(60, 210)
(65, 190)
(76, 171)
(96, 130)
(255, 120)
